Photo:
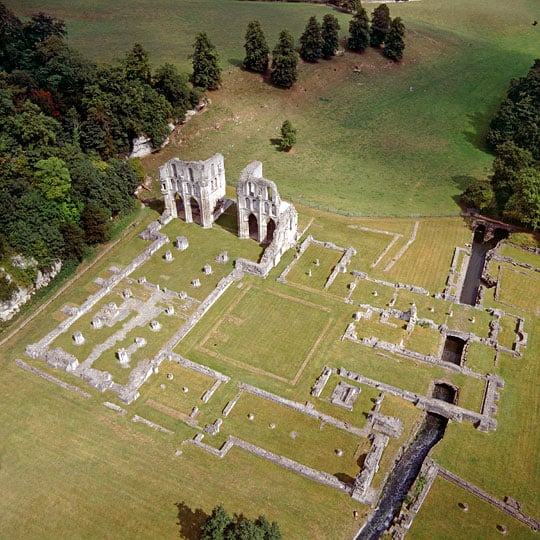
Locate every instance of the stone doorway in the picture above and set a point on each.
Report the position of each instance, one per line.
(253, 227)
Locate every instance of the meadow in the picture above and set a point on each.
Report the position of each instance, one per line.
(390, 139)
(374, 139)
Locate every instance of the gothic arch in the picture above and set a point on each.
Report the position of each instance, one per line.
(253, 227)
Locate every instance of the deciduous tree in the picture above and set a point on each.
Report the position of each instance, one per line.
(524, 204)
(216, 525)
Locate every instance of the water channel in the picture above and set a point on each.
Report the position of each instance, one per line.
(403, 476)
(406, 470)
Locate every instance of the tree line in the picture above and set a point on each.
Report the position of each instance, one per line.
(67, 124)
(513, 189)
(317, 41)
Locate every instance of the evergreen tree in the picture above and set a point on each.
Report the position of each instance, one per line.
(284, 61)
(330, 36)
(380, 25)
(288, 136)
(257, 49)
(137, 65)
(394, 44)
(311, 42)
(359, 31)
(206, 70)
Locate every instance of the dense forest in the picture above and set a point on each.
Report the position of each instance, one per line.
(66, 128)
(513, 191)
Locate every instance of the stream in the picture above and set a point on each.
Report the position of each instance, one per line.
(406, 470)
(403, 477)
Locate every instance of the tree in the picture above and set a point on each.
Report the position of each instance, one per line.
(524, 204)
(519, 113)
(311, 42)
(137, 65)
(95, 223)
(12, 41)
(330, 36)
(41, 26)
(284, 61)
(205, 61)
(245, 530)
(351, 5)
(288, 136)
(220, 526)
(394, 44)
(359, 31)
(479, 194)
(74, 245)
(216, 525)
(510, 161)
(257, 49)
(380, 25)
(52, 179)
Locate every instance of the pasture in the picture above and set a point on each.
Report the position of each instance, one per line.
(374, 139)
(389, 140)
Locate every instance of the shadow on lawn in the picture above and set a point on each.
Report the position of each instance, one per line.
(190, 521)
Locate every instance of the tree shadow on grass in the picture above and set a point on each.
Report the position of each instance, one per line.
(190, 521)
(478, 130)
(155, 204)
(276, 143)
(462, 182)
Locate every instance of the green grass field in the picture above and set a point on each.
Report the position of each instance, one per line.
(391, 140)
(388, 140)
(264, 331)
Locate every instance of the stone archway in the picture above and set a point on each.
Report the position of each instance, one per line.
(253, 227)
(270, 229)
(195, 210)
(179, 206)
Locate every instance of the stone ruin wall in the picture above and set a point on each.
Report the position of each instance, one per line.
(203, 181)
(256, 198)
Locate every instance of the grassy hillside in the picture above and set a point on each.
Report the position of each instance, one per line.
(393, 139)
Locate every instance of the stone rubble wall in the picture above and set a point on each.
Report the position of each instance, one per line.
(341, 266)
(363, 480)
(304, 409)
(203, 307)
(35, 350)
(404, 248)
(481, 494)
(50, 378)
(320, 477)
(146, 422)
(482, 422)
